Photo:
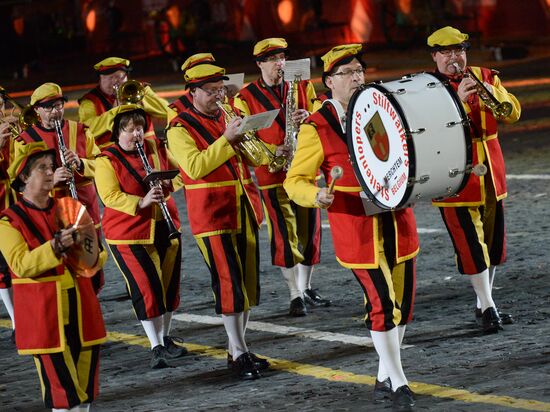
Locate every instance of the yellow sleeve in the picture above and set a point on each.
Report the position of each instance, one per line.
(194, 162)
(311, 98)
(92, 151)
(109, 189)
(86, 111)
(240, 104)
(300, 178)
(502, 95)
(177, 181)
(23, 262)
(155, 105)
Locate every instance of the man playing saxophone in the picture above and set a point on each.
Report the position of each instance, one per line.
(48, 102)
(223, 207)
(113, 73)
(475, 216)
(295, 232)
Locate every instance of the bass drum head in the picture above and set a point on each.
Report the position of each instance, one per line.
(381, 155)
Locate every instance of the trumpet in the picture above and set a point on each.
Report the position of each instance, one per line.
(130, 92)
(172, 231)
(62, 151)
(253, 148)
(501, 110)
(26, 118)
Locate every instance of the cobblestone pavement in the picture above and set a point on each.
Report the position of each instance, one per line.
(450, 364)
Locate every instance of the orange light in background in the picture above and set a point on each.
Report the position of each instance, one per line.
(19, 26)
(173, 14)
(90, 21)
(285, 9)
(405, 6)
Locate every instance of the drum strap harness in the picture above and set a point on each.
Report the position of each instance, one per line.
(338, 125)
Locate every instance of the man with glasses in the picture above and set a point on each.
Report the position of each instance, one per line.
(475, 217)
(95, 104)
(48, 102)
(294, 231)
(379, 249)
(223, 207)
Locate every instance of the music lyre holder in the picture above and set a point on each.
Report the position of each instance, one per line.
(300, 68)
(160, 175)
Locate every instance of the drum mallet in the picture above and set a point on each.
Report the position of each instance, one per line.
(335, 173)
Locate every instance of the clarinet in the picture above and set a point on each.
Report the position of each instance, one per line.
(172, 231)
(62, 151)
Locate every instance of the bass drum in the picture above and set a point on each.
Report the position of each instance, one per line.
(408, 140)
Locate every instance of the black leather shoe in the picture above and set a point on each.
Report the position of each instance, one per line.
(297, 307)
(382, 390)
(245, 367)
(173, 350)
(403, 399)
(158, 357)
(505, 318)
(260, 363)
(490, 321)
(312, 298)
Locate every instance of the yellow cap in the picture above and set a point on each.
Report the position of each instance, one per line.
(338, 53)
(268, 47)
(447, 36)
(202, 74)
(197, 59)
(24, 152)
(114, 117)
(46, 93)
(111, 65)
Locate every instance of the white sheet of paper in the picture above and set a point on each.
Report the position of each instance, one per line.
(235, 79)
(258, 121)
(300, 68)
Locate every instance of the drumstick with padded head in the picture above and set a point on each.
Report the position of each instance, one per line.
(335, 173)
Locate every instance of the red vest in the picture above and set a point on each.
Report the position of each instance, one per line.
(37, 301)
(85, 186)
(129, 170)
(185, 101)
(212, 207)
(483, 127)
(7, 196)
(355, 234)
(260, 98)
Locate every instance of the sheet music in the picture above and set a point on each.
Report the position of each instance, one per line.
(258, 121)
(300, 68)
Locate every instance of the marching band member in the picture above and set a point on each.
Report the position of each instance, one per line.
(59, 318)
(294, 231)
(112, 73)
(379, 249)
(223, 207)
(7, 198)
(475, 216)
(48, 102)
(135, 229)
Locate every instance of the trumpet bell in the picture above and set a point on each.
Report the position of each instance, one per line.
(130, 92)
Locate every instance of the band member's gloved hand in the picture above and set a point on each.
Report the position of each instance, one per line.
(61, 175)
(299, 116)
(231, 131)
(324, 198)
(154, 195)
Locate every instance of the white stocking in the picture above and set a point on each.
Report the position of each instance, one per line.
(382, 372)
(290, 275)
(492, 270)
(304, 276)
(84, 407)
(7, 297)
(387, 347)
(167, 322)
(482, 287)
(233, 328)
(154, 330)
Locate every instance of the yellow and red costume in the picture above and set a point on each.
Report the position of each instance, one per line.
(379, 249)
(58, 316)
(7, 198)
(295, 232)
(223, 207)
(475, 216)
(138, 238)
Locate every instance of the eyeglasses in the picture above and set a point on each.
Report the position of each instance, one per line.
(350, 73)
(214, 92)
(57, 106)
(450, 52)
(274, 59)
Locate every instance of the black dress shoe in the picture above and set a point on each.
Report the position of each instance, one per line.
(297, 307)
(505, 318)
(158, 357)
(245, 367)
(173, 350)
(403, 399)
(260, 363)
(382, 390)
(312, 298)
(490, 321)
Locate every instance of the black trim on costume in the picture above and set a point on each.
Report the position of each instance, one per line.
(94, 362)
(48, 401)
(130, 169)
(28, 222)
(63, 374)
(281, 224)
(233, 263)
(379, 281)
(264, 101)
(333, 122)
(150, 270)
(33, 134)
(97, 93)
(215, 280)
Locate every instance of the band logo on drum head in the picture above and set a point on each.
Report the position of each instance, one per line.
(378, 137)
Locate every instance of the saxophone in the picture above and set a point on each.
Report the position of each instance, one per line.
(291, 128)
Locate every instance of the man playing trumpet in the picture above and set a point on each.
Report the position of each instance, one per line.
(379, 249)
(294, 231)
(48, 102)
(475, 217)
